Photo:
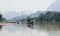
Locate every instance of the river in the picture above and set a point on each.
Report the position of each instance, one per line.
(23, 30)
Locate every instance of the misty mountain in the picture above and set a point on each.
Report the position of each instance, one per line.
(37, 13)
(17, 18)
(12, 14)
(55, 6)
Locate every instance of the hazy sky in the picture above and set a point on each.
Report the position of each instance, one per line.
(24, 5)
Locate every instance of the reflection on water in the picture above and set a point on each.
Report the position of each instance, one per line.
(23, 30)
(20, 30)
(0, 27)
(50, 26)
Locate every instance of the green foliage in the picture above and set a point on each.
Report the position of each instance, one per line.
(2, 18)
(41, 17)
(49, 16)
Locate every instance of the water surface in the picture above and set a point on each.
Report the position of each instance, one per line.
(23, 30)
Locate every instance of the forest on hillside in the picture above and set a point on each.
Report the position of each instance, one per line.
(49, 16)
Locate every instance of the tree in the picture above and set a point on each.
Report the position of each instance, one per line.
(58, 16)
(2, 18)
(41, 17)
(48, 16)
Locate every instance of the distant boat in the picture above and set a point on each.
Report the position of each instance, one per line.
(29, 22)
